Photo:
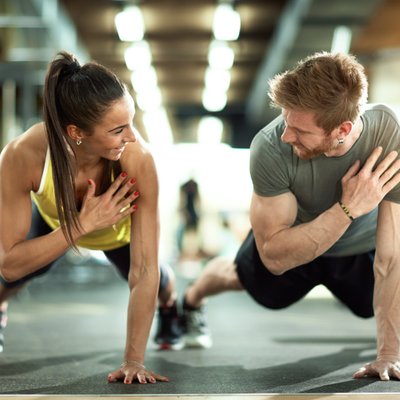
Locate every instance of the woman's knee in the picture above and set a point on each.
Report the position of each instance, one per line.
(167, 278)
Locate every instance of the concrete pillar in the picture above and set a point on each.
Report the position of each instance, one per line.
(9, 120)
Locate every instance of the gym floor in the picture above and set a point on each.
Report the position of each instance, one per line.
(66, 331)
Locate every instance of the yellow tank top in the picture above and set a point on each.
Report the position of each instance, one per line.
(104, 239)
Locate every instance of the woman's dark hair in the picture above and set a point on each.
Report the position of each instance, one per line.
(77, 95)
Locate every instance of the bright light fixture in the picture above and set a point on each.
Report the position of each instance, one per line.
(144, 79)
(158, 128)
(138, 56)
(214, 100)
(341, 40)
(149, 99)
(210, 130)
(220, 55)
(129, 24)
(226, 23)
(218, 79)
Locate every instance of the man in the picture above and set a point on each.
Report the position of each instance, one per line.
(325, 208)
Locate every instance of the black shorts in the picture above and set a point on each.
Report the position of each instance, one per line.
(350, 279)
(120, 257)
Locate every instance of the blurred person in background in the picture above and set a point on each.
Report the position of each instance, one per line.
(325, 207)
(189, 213)
(85, 178)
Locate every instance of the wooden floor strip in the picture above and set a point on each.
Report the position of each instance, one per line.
(272, 396)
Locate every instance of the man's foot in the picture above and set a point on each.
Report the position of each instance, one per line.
(169, 333)
(195, 329)
(3, 324)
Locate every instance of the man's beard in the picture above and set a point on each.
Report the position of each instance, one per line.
(306, 154)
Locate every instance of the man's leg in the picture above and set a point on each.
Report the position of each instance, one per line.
(218, 276)
(248, 273)
(351, 280)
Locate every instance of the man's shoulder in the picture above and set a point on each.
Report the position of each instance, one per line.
(379, 110)
(269, 134)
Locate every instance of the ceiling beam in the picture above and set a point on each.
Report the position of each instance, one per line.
(274, 59)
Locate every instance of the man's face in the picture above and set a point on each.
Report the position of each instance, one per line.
(307, 139)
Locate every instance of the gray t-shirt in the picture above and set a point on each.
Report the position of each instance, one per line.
(316, 183)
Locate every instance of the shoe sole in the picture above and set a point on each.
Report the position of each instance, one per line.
(199, 342)
(169, 346)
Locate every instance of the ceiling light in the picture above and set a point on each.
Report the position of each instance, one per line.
(226, 24)
(129, 24)
(341, 40)
(144, 79)
(138, 56)
(158, 128)
(214, 100)
(149, 99)
(219, 79)
(220, 55)
(210, 130)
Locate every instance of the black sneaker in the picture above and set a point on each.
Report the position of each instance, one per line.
(195, 330)
(169, 333)
(3, 324)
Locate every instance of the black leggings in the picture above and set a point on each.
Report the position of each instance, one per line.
(120, 257)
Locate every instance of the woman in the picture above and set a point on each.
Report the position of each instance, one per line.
(80, 169)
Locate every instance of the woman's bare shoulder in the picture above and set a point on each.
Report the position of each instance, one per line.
(32, 140)
(137, 154)
(24, 156)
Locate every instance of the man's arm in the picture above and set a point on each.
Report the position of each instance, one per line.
(282, 246)
(386, 295)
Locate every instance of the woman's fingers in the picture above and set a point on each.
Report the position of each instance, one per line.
(124, 189)
(115, 185)
(129, 375)
(127, 201)
(91, 188)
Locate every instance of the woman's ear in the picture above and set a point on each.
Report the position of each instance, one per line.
(74, 133)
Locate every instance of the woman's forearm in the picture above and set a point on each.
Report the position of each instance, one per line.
(29, 256)
(141, 308)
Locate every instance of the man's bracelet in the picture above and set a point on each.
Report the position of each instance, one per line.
(346, 210)
(132, 362)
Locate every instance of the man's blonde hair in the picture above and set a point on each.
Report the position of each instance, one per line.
(331, 85)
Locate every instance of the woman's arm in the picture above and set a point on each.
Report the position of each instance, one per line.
(18, 175)
(21, 166)
(144, 269)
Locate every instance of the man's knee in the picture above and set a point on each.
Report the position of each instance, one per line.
(224, 269)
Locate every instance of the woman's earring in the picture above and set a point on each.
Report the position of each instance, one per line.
(340, 141)
(78, 142)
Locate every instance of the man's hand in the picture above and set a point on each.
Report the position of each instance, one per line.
(99, 212)
(382, 369)
(363, 189)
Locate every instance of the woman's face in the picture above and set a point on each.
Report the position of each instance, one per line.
(114, 130)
